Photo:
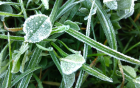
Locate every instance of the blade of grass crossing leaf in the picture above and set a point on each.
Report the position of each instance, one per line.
(38, 81)
(101, 47)
(17, 79)
(85, 51)
(108, 30)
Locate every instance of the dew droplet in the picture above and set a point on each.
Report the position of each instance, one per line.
(39, 21)
(36, 23)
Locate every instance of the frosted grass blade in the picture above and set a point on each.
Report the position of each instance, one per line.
(101, 47)
(17, 79)
(95, 73)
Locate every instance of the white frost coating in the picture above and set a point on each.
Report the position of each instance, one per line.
(111, 4)
(45, 3)
(69, 80)
(126, 8)
(36, 30)
(107, 1)
(97, 74)
(71, 63)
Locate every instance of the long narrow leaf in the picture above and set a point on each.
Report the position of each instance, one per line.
(23, 75)
(96, 73)
(101, 47)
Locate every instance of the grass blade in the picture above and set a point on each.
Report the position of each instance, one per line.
(101, 47)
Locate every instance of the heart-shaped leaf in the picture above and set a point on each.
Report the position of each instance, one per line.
(71, 63)
(37, 28)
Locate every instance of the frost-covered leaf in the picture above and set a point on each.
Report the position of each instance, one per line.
(71, 63)
(130, 71)
(43, 48)
(37, 28)
(125, 8)
(111, 4)
(137, 83)
(69, 80)
(72, 25)
(45, 3)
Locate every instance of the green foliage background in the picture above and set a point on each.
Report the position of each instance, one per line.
(78, 26)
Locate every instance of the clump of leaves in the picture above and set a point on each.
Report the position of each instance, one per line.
(59, 43)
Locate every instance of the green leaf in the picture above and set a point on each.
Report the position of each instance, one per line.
(137, 84)
(111, 4)
(5, 10)
(72, 25)
(71, 63)
(16, 61)
(37, 28)
(95, 73)
(43, 48)
(60, 29)
(69, 80)
(131, 71)
(45, 3)
(107, 60)
(125, 8)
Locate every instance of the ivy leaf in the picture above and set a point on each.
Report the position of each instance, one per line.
(37, 28)
(71, 63)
